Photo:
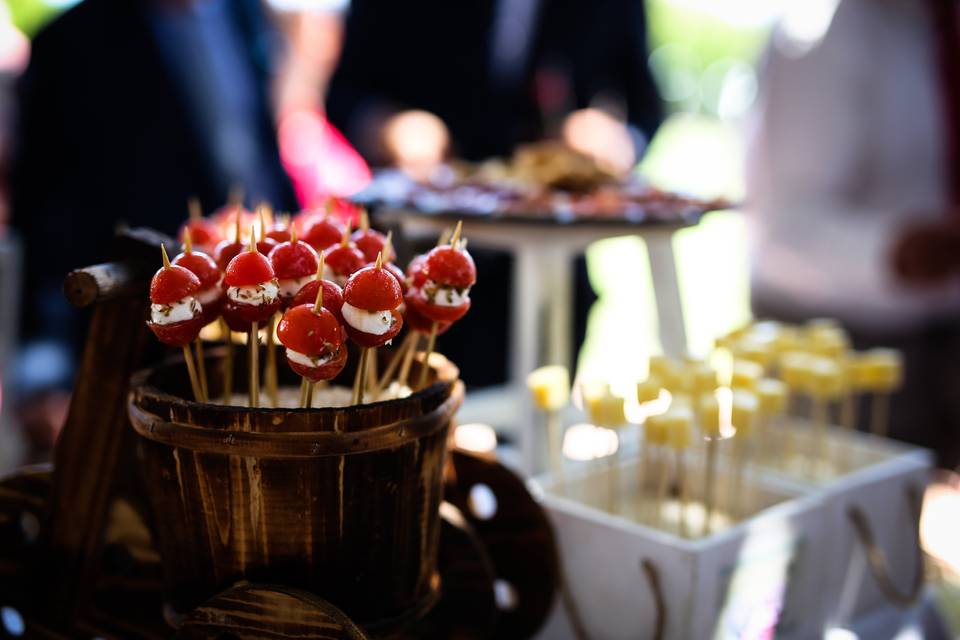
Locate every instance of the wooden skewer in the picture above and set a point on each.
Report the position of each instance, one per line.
(455, 238)
(424, 366)
(364, 220)
(235, 198)
(360, 377)
(227, 364)
(202, 369)
(253, 340)
(193, 206)
(395, 361)
(404, 373)
(271, 371)
(191, 370)
(306, 388)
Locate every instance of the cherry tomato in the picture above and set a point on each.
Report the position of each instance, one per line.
(344, 260)
(373, 289)
(371, 340)
(371, 243)
(279, 234)
(294, 260)
(202, 266)
(266, 245)
(435, 312)
(204, 233)
(416, 272)
(451, 267)
(178, 334)
(332, 296)
(247, 269)
(171, 284)
(395, 271)
(226, 251)
(322, 232)
(312, 334)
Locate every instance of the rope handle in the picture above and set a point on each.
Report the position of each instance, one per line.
(877, 559)
(659, 602)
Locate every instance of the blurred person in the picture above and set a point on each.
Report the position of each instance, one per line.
(419, 82)
(127, 109)
(854, 194)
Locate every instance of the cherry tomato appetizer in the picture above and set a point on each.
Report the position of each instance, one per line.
(445, 294)
(322, 232)
(314, 342)
(252, 288)
(341, 262)
(294, 264)
(175, 314)
(371, 299)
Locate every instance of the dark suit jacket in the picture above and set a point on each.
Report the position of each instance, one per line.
(434, 55)
(104, 137)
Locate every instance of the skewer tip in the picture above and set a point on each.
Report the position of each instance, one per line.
(346, 233)
(379, 264)
(252, 246)
(166, 258)
(364, 220)
(455, 238)
(320, 263)
(187, 240)
(193, 206)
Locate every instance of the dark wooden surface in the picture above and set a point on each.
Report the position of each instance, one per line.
(266, 496)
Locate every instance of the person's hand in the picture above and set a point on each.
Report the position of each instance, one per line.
(927, 254)
(602, 137)
(415, 141)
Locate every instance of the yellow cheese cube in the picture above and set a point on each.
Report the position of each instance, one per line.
(709, 415)
(606, 410)
(648, 390)
(550, 387)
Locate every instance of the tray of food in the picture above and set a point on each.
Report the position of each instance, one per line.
(544, 183)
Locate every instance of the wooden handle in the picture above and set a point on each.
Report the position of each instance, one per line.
(102, 282)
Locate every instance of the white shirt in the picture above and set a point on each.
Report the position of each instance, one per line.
(848, 147)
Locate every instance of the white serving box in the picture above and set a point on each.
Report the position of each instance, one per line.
(883, 480)
(737, 582)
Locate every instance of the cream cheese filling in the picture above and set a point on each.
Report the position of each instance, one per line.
(445, 296)
(258, 294)
(373, 322)
(186, 308)
(308, 361)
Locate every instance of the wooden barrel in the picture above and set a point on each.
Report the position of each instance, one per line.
(341, 502)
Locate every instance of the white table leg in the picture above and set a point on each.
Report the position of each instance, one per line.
(666, 291)
(525, 350)
(557, 278)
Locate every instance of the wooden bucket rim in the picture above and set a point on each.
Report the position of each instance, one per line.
(295, 444)
(144, 388)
